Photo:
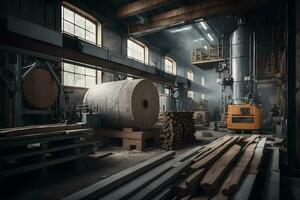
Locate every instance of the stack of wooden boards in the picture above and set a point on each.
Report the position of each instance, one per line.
(201, 117)
(213, 171)
(28, 148)
(178, 129)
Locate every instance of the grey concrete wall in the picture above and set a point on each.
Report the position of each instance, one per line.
(111, 40)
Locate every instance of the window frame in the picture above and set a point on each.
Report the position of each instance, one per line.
(86, 16)
(174, 68)
(190, 94)
(189, 71)
(142, 45)
(74, 73)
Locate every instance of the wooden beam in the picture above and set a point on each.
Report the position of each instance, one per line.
(189, 14)
(215, 173)
(213, 156)
(234, 178)
(104, 186)
(140, 6)
(159, 184)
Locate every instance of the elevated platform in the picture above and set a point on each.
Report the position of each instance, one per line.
(208, 64)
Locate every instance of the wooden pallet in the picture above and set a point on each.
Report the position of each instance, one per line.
(28, 152)
(131, 139)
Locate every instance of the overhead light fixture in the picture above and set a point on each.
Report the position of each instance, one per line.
(199, 20)
(197, 40)
(205, 47)
(180, 29)
(203, 25)
(210, 37)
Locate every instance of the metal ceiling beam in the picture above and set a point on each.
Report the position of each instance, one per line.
(140, 6)
(188, 14)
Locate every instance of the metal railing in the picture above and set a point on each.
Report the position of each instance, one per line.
(200, 54)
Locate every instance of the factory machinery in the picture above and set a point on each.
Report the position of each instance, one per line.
(243, 113)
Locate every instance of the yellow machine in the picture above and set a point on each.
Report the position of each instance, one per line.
(244, 117)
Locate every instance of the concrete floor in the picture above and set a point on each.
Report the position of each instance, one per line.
(66, 179)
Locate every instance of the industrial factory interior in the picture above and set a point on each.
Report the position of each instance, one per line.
(149, 99)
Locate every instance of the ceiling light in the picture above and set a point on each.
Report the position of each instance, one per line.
(197, 40)
(210, 37)
(203, 25)
(205, 47)
(199, 20)
(180, 29)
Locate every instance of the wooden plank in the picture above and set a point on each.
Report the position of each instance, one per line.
(180, 190)
(98, 155)
(44, 137)
(101, 187)
(159, 184)
(193, 12)
(130, 188)
(257, 157)
(215, 173)
(37, 129)
(212, 147)
(194, 178)
(219, 196)
(210, 158)
(135, 135)
(271, 189)
(188, 154)
(10, 172)
(246, 187)
(140, 6)
(39, 152)
(231, 183)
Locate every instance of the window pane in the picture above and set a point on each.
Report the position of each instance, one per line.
(79, 21)
(90, 37)
(79, 25)
(90, 81)
(79, 70)
(79, 80)
(99, 77)
(68, 67)
(135, 51)
(90, 72)
(68, 79)
(90, 26)
(68, 15)
(79, 32)
(68, 27)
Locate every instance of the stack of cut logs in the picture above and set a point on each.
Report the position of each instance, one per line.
(201, 117)
(178, 129)
(223, 169)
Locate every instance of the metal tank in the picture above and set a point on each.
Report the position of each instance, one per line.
(242, 65)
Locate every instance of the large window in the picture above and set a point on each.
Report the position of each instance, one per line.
(170, 65)
(79, 76)
(137, 51)
(190, 94)
(76, 22)
(202, 81)
(167, 92)
(190, 75)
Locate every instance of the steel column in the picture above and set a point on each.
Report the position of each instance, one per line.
(291, 84)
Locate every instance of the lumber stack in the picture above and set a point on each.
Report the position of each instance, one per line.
(178, 129)
(201, 117)
(28, 148)
(214, 171)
